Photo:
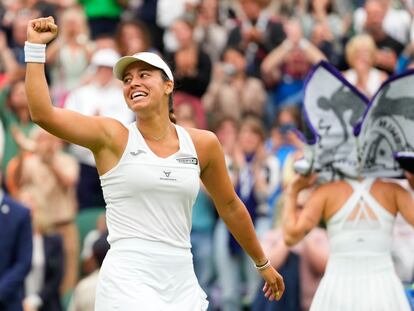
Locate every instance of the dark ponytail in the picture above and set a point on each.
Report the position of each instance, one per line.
(173, 119)
(171, 114)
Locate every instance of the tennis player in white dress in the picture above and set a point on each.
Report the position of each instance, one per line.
(360, 215)
(150, 173)
(150, 263)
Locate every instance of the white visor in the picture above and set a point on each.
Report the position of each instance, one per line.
(147, 57)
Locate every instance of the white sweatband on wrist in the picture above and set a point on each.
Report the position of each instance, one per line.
(34, 52)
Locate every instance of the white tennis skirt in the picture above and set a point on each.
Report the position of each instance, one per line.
(140, 275)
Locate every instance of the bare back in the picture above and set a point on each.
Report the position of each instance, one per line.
(389, 195)
(339, 192)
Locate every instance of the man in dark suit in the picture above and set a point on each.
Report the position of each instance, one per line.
(15, 252)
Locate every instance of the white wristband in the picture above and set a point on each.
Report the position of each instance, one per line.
(34, 52)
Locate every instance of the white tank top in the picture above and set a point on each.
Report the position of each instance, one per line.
(149, 197)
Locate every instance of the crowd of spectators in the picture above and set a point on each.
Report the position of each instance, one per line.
(240, 68)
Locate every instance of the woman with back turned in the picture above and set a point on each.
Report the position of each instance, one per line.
(360, 215)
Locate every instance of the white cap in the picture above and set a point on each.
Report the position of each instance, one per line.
(150, 58)
(105, 57)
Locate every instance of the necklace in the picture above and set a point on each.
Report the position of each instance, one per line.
(158, 138)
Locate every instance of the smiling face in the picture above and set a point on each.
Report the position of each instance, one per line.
(145, 89)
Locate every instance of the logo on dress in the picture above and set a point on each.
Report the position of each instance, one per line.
(167, 176)
(188, 160)
(138, 152)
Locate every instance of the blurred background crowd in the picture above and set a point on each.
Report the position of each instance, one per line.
(240, 68)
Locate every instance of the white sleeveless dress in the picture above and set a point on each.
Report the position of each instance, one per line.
(149, 201)
(360, 274)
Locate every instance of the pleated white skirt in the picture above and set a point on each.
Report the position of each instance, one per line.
(148, 276)
(355, 283)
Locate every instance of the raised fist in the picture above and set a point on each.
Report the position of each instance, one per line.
(41, 30)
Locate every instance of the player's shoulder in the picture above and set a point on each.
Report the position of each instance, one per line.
(335, 184)
(114, 127)
(206, 144)
(386, 185)
(202, 137)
